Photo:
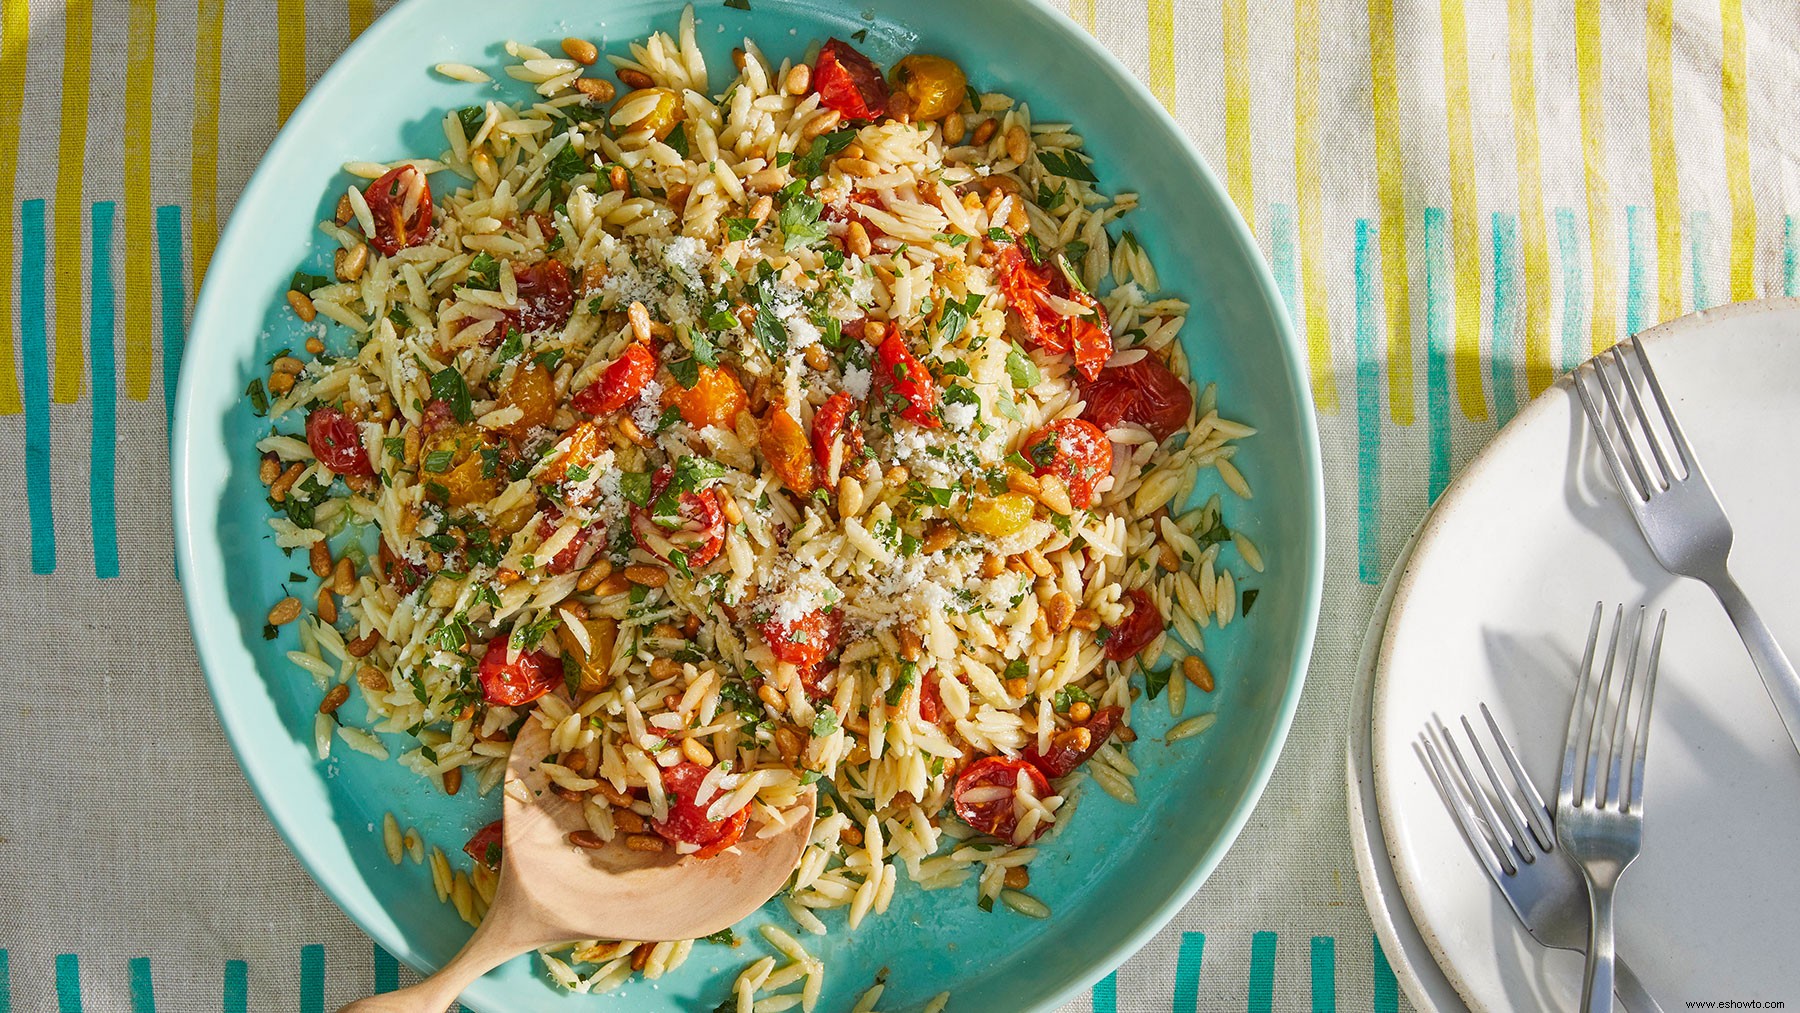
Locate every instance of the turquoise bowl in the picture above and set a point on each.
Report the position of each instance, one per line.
(1114, 874)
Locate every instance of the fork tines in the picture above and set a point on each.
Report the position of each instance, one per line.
(1591, 746)
(1504, 818)
(1627, 461)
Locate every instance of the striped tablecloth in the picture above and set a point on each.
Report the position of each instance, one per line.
(1459, 200)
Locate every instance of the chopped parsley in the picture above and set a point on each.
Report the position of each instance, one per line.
(1156, 681)
(512, 347)
(484, 273)
(1022, 369)
(307, 283)
(448, 385)
(693, 473)
(799, 221)
(955, 316)
(825, 723)
(472, 118)
(259, 398)
(635, 486)
(1068, 165)
(823, 146)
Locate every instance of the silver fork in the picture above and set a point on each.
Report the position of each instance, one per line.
(1519, 851)
(1678, 512)
(1599, 805)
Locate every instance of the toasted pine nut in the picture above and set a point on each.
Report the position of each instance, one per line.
(761, 209)
(586, 839)
(992, 565)
(302, 304)
(874, 331)
(640, 321)
(694, 751)
(799, 77)
(343, 577)
(767, 694)
(596, 572)
(614, 797)
(1168, 558)
(594, 89)
(1015, 143)
(319, 555)
(857, 239)
(823, 123)
(344, 211)
(1124, 733)
(629, 430)
(327, 605)
(1017, 687)
(643, 842)
(1197, 673)
(1038, 564)
(767, 180)
(984, 131)
(349, 264)
(371, 678)
(269, 470)
(613, 584)
(285, 611)
(728, 505)
(1080, 710)
(939, 537)
(649, 576)
(1054, 494)
(737, 57)
(334, 699)
(788, 743)
(565, 794)
(1085, 619)
(281, 383)
(911, 647)
(897, 475)
(633, 78)
(818, 358)
(1017, 878)
(278, 489)
(617, 177)
(955, 128)
(1019, 481)
(581, 51)
(1059, 611)
(314, 346)
(664, 668)
(452, 780)
(851, 835)
(626, 820)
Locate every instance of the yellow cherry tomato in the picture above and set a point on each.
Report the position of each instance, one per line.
(663, 114)
(935, 85)
(1000, 516)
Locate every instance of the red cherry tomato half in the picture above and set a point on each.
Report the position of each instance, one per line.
(900, 372)
(849, 82)
(1076, 452)
(930, 703)
(400, 574)
(1061, 761)
(400, 203)
(529, 675)
(1136, 630)
(1090, 335)
(1026, 286)
(484, 847)
(804, 641)
(837, 437)
(620, 383)
(336, 442)
(545, 297)
(699, 526)
(996, 817)
(687, 822)
(1145, 393)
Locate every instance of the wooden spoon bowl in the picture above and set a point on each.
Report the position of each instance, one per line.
(551, 891)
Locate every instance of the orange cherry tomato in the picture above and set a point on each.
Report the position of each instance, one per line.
(714, 400)
(784, 446)
(531, 391)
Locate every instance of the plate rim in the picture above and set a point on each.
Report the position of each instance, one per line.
(369, 916)
(1432, 529)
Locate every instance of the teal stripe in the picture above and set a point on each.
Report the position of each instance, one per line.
(1574, 286)
(1106, 994)
(68, 983)
(1324, 974)
(1439, 310)
(1697, 259)
(104, 440)
(1261, 987)
(1187, 973)
(237, 986)
(174, 302)
(1387, 989)
(1637, 273)
(1282, 260)
(312, 979)
(387, 971)
(5, 983)
(1509, 339)
(37, 387)
(143, 996)
(1368, 409)
(1790, 260)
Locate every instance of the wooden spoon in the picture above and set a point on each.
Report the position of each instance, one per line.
(553, 892)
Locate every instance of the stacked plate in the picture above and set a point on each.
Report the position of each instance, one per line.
(1490, 602)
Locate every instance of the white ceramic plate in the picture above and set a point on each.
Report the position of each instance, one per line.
(1494, 607)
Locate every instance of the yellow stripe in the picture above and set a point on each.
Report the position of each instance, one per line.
(1393, 211)
(290, 37)
(1162, 51)
(1306, 192)
(210, 29)
(362, 12)
(1593, 152)
(1658, 29)
(1236, 23)
(71, 159)
(1465, 232)
(140, 80)
(1539, 373)
(1737, 152)
(15, 35)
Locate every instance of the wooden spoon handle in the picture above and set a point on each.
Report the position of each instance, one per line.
(500, 937)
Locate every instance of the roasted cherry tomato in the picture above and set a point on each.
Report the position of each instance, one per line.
(586, 443)
(837, 437)
(1069, 751)
(900, 372)
(995, 816)
(687, 822)
(1000, 516)
(931, 704)
(805, 641)
(527, 676)
(1076, 452)
(1137, 629)
(530, 391)
(620, 383)
(849, 82)
(545, 297)
(399, 573)
(459, 465)
(335, 441)
(1144, 392)
(1027, 288)
(484, 847)
(784, 447)
(400, 203)
(698, 530)
(1090, 334)
(663, 114)
(935, 85)
(714, 400)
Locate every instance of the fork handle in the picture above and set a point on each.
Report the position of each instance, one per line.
(1597, 983)
(1772, 664)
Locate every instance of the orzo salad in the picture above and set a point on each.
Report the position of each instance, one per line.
(827, 428)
